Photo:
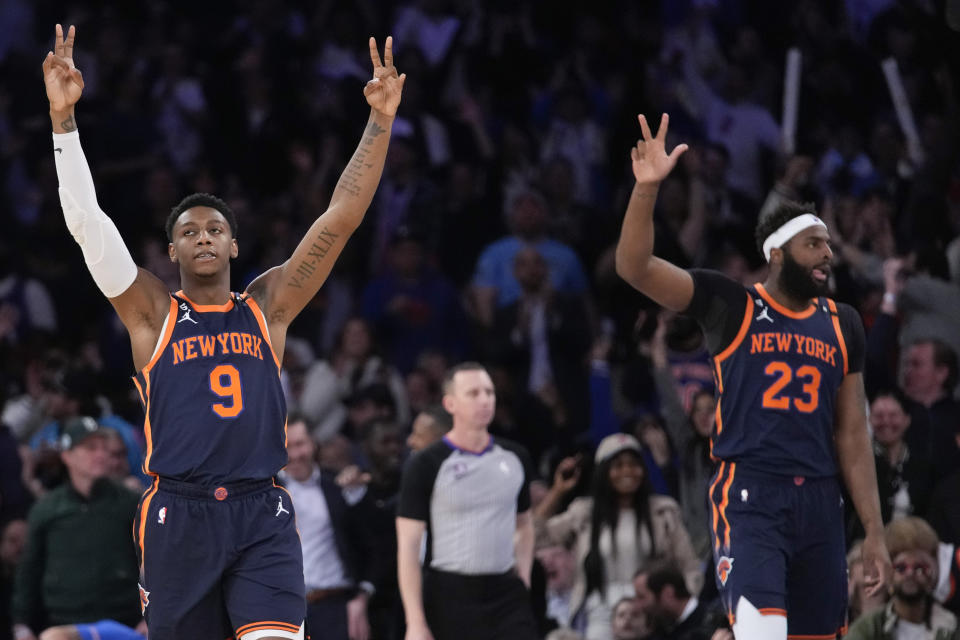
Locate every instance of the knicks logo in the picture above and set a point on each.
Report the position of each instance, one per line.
(724, 567)
(144, 598)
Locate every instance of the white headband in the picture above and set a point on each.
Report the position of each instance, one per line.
(790, 228)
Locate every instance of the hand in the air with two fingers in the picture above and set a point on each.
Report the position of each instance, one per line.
(383, 91)
(651, 163)
(63, 80)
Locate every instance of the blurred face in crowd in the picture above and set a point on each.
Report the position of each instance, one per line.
(12, 542)
(921, 375)
(300, 450)
(425, 431)
(888, 420)
(385, 448)
(629, 623)
(914, 575)
(626, 473)
(805, 271)
(559, 566)
(407, 258)
(471, 399)
(528, 215)
(119, 465)
(89, 459)
(356, 341)
(703, 414)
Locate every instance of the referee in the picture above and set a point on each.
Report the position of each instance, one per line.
(470, 493)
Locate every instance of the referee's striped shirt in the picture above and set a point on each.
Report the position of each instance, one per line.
(469, 501)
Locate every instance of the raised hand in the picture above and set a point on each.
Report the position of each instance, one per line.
(63, 80)
(383, 91)
(651, 164)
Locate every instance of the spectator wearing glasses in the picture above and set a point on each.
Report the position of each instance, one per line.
(911, 611)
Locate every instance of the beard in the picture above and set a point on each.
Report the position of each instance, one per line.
(797, 281)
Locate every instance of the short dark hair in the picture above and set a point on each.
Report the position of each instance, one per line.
(786, 210)
(201, 200)
(440, 416)
(943, 356)
(896, 394)
(660, 575)
(457, 368)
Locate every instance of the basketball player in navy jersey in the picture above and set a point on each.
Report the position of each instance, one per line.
(219, 551)
(790, 414)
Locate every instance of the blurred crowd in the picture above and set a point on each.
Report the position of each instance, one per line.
(491, 238)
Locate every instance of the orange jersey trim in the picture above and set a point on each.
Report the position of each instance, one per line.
(143, 398)
(724, 503)
(267, 624)
(147, 431)
(713, 504)
(741, 334)
(165, 338)
(142, 525)
(772, 611)
(779, 308)
(836, 327)
(207, 307)
(262, 321)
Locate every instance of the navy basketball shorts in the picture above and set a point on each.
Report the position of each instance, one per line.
(778, 541)
(219, 562)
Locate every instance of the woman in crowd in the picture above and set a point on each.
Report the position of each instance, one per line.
(618, 529)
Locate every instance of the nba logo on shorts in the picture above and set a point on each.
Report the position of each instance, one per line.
(724, 567)
(162, 515)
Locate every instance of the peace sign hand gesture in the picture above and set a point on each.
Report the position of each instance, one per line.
(63, 80)
(383, 91)
(651, 164)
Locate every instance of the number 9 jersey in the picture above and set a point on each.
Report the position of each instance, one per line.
(215, 410)
(777, 374)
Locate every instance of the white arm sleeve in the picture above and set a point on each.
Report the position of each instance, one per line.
(107, 257)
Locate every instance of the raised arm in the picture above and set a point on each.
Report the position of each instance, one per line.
(667, 284)
(140, 299)
(855, 454)
(287, 289)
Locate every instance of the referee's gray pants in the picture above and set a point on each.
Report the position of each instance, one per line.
(477, 607)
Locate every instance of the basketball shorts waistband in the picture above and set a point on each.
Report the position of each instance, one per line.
(214, 492)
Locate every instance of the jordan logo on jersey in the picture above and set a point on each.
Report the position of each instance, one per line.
(764, 315)
(186, 313)
(280, 508)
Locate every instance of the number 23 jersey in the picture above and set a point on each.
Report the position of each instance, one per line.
(777, 373)
(215, 410)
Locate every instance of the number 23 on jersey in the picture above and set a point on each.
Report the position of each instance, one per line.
(783, 374)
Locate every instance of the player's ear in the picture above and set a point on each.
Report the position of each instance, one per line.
(172, 252)
(776, 256)
(234, 248)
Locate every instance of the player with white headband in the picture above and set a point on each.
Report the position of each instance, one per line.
(790, 416)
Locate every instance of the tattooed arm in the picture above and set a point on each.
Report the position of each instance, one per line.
(282, 292)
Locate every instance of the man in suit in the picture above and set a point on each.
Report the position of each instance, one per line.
(338, 554)
(670, 608)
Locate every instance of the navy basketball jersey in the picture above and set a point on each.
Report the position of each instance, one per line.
(777, 384)
(215, 410)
